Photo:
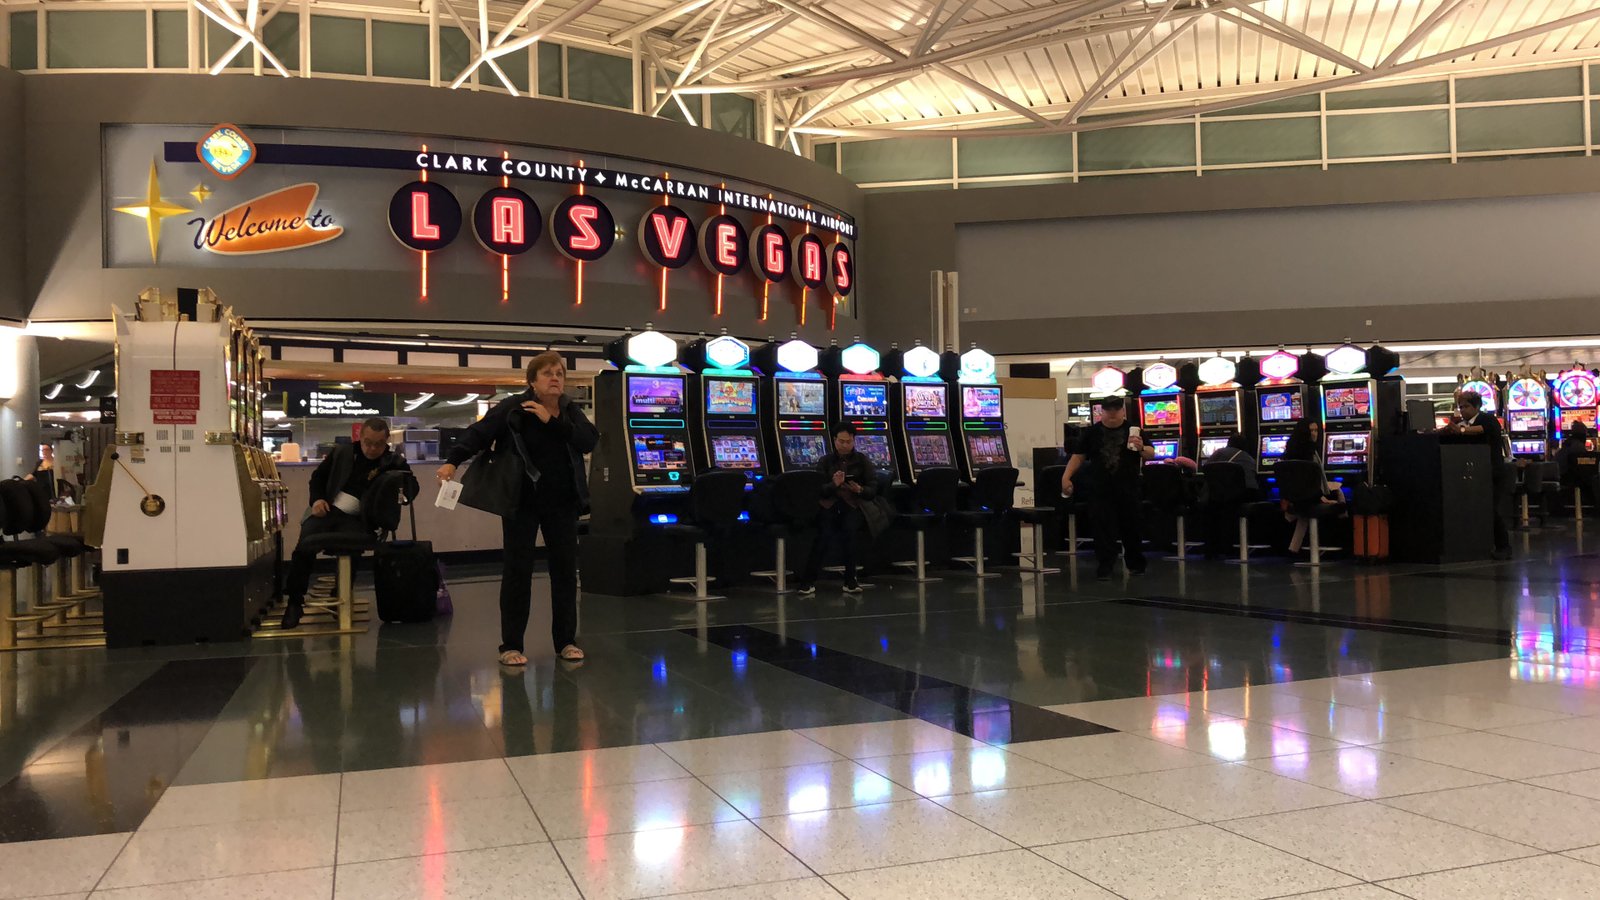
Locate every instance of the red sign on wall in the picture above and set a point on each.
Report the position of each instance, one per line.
(174, 396)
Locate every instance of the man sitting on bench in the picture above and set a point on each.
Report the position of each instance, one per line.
(337, 488)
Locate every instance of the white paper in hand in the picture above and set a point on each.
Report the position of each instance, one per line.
(449, 493)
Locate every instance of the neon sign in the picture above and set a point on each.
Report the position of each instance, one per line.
(506, 221)
(424, 216)
(664, 235)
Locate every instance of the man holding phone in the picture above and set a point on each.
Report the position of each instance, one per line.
(1114, 454)
(852, 480)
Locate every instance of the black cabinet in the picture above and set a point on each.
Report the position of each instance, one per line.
(1444, 499)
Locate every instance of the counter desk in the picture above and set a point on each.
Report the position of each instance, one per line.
(462, 529)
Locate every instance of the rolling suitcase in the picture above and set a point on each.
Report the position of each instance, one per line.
(407, 579)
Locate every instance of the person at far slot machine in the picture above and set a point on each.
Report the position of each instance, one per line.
(1479, 427)
(1112, 454)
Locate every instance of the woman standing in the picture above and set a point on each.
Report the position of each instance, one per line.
(556, 435)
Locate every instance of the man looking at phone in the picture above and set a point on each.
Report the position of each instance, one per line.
(1112, 454)
(852, 480)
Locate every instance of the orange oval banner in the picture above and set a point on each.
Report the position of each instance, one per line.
(282, 220)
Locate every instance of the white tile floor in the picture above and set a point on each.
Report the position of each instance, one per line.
(1477, 780)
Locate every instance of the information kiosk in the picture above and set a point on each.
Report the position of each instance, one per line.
(860, 396)
(981, 414)
(1161, 412)
(921, 414)
(1528, 416)
(188, 503)
(1348, 415)
(1216, 406)
(797, 395)
(1280, 405)
(1576, 399)
(724, 417)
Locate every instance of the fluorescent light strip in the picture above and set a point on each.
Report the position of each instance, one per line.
(89, 381)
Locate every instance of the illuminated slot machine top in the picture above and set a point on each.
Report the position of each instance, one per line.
(983, 428)
(726, 416)
(1347, 414)
(797, 423)
(1280, 405)
(860, 397)
(1576, 396)
(1161, 412)
(1216, 405)
(925, 412)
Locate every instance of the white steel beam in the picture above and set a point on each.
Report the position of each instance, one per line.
(660, 18)
(1281, 31)
(1445, 9)
(688, 68)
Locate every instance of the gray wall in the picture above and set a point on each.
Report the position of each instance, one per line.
(13, 233)
(65, 279)
(1478, 250)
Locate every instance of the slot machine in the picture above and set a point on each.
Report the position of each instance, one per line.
(725, 416)
(981, 414)
(921, 414)
(1576, 397)
(1161, 412)
(1528, 416)
(642, 468)
(1349, 414)
(1280, 405)
(1487, 392)
(860, 395)
(795, 402)
(1217, 406)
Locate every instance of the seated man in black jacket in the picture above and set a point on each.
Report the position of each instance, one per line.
(337, 487)
(852, 481)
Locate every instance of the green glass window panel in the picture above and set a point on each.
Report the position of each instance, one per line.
(1567, 82)
(219, 41)
(675, 112)
(172, 39)
(93, 39)
(1509, 156)
(1134, 176)
(1014, 182)
(896, 159)
(1307, 103)
(282, 33)
(400, 50)
(734, 114)
(1395, 163)
(1260, 140)
(338, 45)
(908, 188)
(1136, 147)
(826, 155)
(599, 78)
(454, 53)
(25, 40)
(1022, 155)
(1428, 93)
(549, 69)
(1389, 134)
(515, 65)
(1519, 127)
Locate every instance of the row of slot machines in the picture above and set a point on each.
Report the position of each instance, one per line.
(1537, 411)
(771, 409)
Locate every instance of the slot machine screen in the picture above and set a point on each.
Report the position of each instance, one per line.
(1219, 411)
(1283, 406)
(1165, 450)
(1273, 445)
(927, 401)
(660, 395)
(804, 450)
(981, 403)
(1527, 448)
(659, 453)
(986, 450)
(930, 450)
(876, 448)
(1347, 402)
(802, 398)
(1164, 412)
(1346, 449)
(1526, 420)
(735, 451)
(1211, 445)
(1586, 415)
(865, 399)
(730, 396)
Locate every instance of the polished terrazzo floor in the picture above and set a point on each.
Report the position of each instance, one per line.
(1206, 731)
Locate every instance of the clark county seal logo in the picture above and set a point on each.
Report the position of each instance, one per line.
(226, 151)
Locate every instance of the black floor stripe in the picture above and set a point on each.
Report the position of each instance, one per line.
(1496, 636)
(107, 776)
(968, 711)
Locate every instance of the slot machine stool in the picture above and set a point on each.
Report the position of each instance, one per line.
(64, 583)
(26, 515)
(991, 496)
(716, 498)
(1164, 490)
(1300, 484)
(1048, 491)
(787, 504)
(933, 497)
(31, 554)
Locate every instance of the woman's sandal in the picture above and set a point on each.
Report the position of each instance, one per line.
(513, 658)
(571, 653)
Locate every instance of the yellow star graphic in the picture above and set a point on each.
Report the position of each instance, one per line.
(201, 193)
(153, 210)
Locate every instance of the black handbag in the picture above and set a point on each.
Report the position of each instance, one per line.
(495, 479)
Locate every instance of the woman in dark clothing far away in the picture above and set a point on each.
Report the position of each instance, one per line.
(557, 435)
(1305, 444)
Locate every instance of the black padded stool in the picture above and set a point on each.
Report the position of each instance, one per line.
(1300, 484)
(992, 495)
(788, 503)
(24, 517)
(932, 498)
(715, 500)
(1165, 491)
(63, 590)
(380, 513)
(1037, 517)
